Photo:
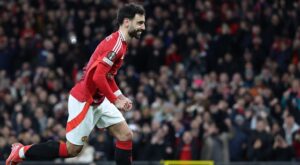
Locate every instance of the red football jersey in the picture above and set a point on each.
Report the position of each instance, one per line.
(98, 77)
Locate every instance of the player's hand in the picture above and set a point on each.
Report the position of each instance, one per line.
(128, 105)
(120, 104)
(123, 104)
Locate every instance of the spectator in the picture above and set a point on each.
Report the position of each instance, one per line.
(238, 143)
(156, 149)
(281, 150)
(187, 148)
(212, 148)
(296, 144)
(290, 126)
(201, 65)
(101, 147)
(259, 143)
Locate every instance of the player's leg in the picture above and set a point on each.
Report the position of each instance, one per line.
(42, 151)
(113, 119)
(51, 150)
(78, 129)
(123, 150)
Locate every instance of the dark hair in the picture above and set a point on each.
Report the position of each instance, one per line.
(129, 11)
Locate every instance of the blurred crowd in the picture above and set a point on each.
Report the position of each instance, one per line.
(210, 79)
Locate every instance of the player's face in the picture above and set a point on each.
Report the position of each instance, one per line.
(136, 26)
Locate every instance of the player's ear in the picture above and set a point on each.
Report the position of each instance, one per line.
(126, 22)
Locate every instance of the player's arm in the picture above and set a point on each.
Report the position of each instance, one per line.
(101, 82)
(103, 67)
(117, 92)
(106, 59)
(113, 85)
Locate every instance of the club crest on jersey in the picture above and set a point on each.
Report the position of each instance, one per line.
(111, 55)
(84, 139)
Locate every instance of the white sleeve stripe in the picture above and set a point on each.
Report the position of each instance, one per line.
(117, 49)
(122, 36)
(118, 45)
(106, 60)
(118, 93)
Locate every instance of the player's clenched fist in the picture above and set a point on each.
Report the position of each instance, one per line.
(123, 103)
(128, 105)
(120, 104)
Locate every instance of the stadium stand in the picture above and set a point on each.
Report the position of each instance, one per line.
(210, 79)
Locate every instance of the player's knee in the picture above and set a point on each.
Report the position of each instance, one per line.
(126, 136)
(74, 150)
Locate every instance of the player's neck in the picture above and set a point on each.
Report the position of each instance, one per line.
(124, 34)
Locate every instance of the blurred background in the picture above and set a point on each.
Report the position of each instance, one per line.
(210, 79)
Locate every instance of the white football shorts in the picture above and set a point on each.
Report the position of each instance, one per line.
(83, 117)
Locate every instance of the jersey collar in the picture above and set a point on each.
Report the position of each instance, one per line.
(122, 35)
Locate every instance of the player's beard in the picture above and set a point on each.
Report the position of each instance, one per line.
(135, 33)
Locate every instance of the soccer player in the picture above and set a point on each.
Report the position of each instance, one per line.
(96, 99)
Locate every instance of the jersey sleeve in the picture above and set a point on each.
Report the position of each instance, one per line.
(112, 51)
(107, 59)
(113, 85)
(101, 82)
